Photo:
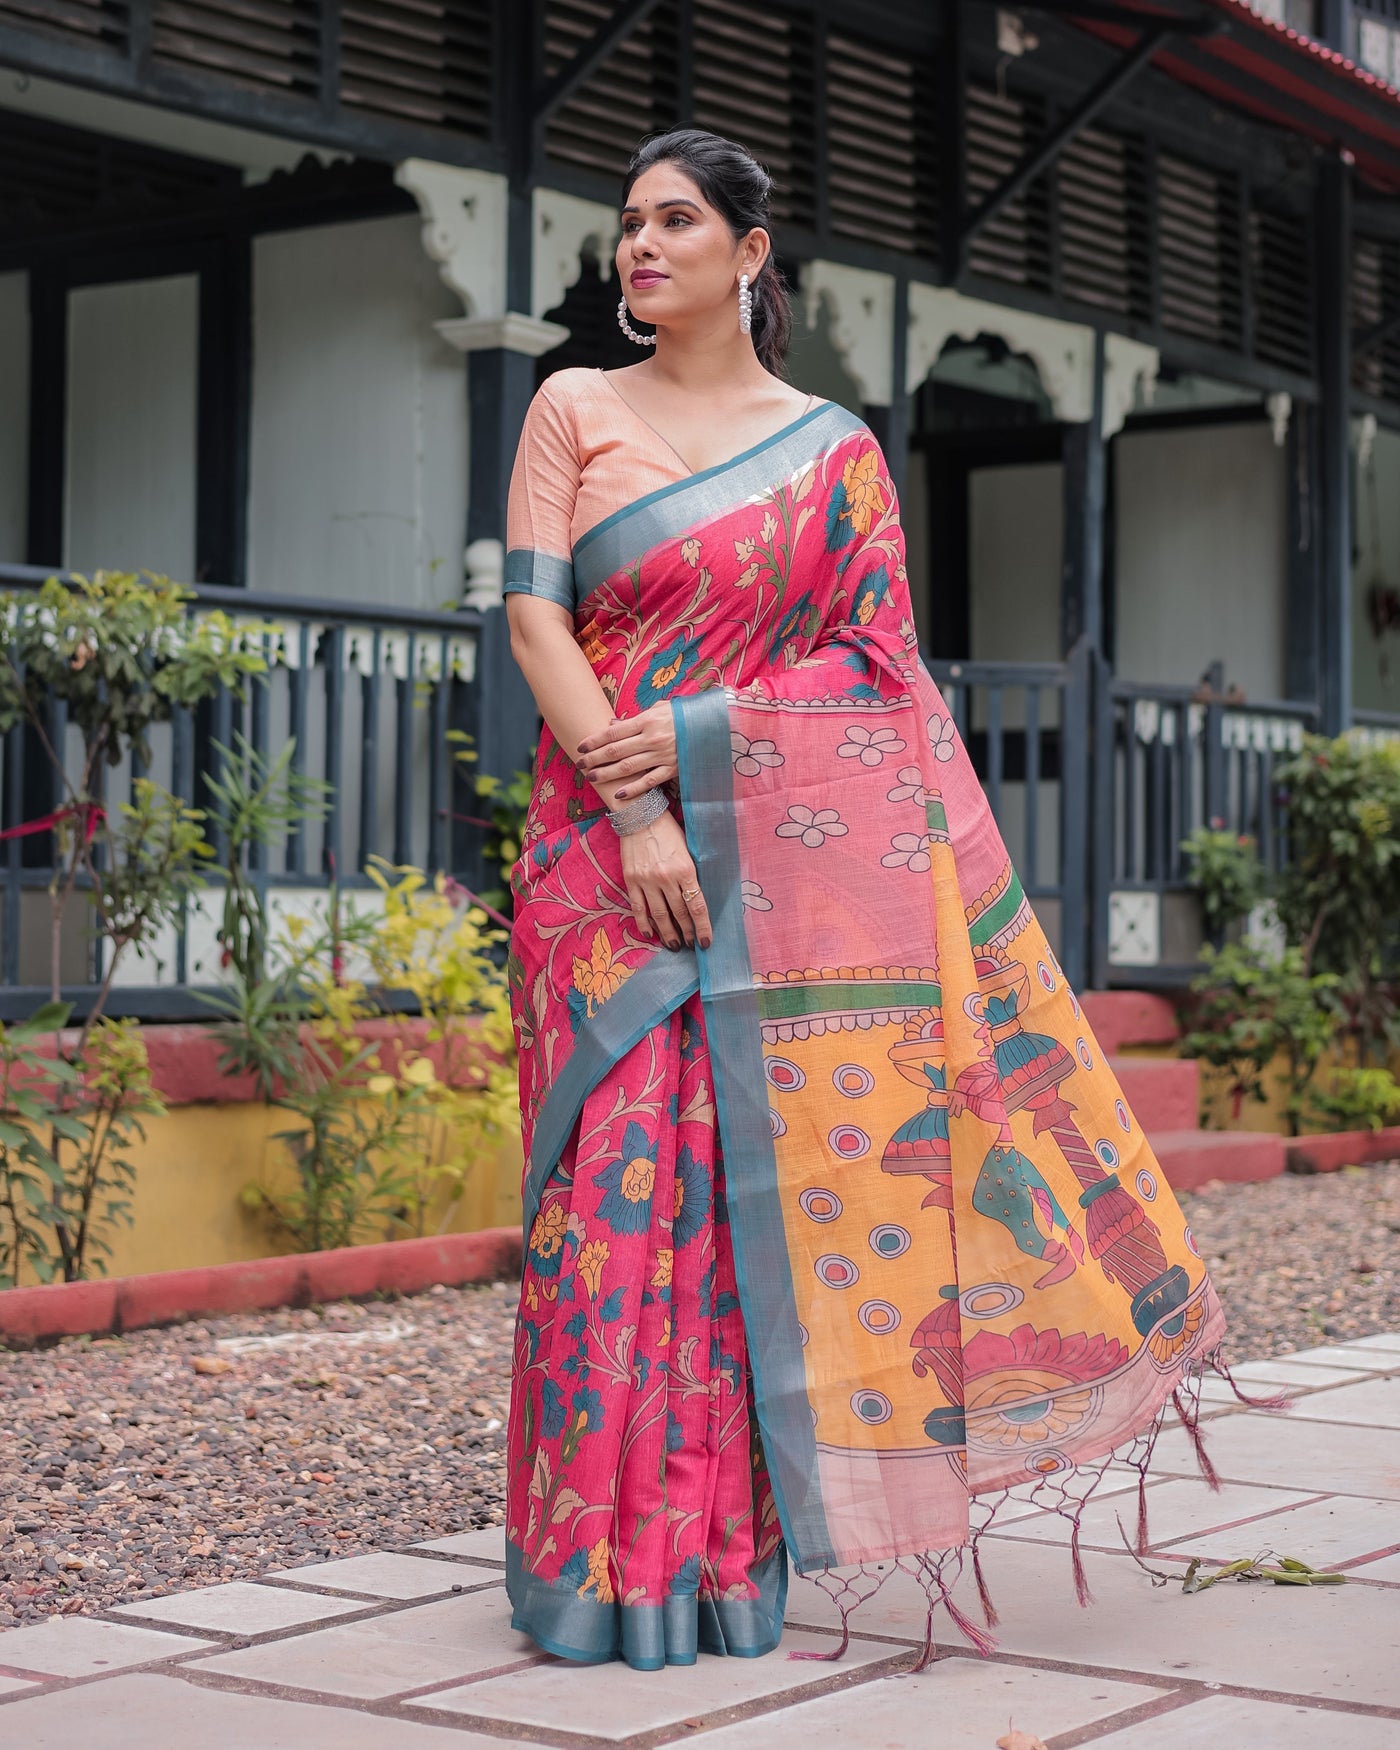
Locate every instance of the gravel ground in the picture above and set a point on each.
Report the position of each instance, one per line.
(125, 1472)
(1302, 1261)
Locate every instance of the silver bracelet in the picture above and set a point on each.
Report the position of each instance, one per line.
(640, 813)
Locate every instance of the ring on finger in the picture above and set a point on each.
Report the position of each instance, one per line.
(689, 893)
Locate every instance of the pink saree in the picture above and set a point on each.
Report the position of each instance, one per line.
(840, 1230)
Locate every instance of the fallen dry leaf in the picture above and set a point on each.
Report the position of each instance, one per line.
(1015, 1740)
(212, 1364)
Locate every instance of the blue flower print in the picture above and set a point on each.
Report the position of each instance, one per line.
(800, 622)
(552, 1397)
(869, 593)
(667, 669)
(575, 1571)
(840, 527)
(675, 1434)
(628, 1182)
(685, 1582)
(692, 1204)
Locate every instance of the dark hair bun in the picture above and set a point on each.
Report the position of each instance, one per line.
(737, 186)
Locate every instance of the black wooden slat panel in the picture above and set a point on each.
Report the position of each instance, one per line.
(1199, 251)
(1001, 130)
(752, 81)
(632, 94)
(1281, 270)
(428, 61)
(105, 21)
(881, 182)
(270, 43)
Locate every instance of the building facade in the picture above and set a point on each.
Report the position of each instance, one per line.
(1116, 285)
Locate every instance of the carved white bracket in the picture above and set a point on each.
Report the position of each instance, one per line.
(514, 332)
(1363, 435)
(464, 229)
(1128, 366)
(862, 322)
(563, 223)
(1279, 408)
(1062, 352)
(485, 569)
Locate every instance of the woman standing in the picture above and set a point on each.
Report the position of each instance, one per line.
(836, 1219)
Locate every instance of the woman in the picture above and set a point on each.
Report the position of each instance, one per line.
(836, 1220)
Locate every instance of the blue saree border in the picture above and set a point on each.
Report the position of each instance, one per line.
(680, 505)
(654, 991)
(527, 572)
(757, 1228)
(648, 1636)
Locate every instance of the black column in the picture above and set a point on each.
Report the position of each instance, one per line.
(1085, 490)
(1332, 253)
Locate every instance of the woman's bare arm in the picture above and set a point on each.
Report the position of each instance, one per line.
(656, 864)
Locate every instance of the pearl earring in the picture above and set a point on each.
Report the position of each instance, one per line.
(629, 330)
(745, 304)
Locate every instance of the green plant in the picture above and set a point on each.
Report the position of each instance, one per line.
(1339, 899)
(1360, 1099)
(29, 1172)
(255, 801)
(1247, 1008)
(1226, 872)
(506, 805)
(119, 653)
(377, 1141)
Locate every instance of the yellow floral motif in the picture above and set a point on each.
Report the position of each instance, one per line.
(637, 1179)
(661, 1275)
(590, 1265)
(598, 1577)
(668, 672)
(865, 497)
(547, 1234)
(679, 1197)
(690, 551)
(665, 1337)
(600, 976)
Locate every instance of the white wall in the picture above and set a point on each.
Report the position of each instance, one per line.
(132, 391)
(358, 478)
(1202, 556)
(1376, 660)
(1015, 560)
(14, 414)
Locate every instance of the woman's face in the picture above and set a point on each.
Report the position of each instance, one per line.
(677, 257)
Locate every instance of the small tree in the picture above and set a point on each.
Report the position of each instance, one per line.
(120, 653)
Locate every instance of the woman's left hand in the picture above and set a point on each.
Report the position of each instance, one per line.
(638, 753)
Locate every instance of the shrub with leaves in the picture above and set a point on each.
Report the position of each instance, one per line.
(1248, 1008)
(1360, 1099)
(505, 804)
(1227, 874)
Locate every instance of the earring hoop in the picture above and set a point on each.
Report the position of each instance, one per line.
(745, 305)
(629, 330)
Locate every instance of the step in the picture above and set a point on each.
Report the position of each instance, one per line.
(1163, 1093)
(1192, 1158)
(1130, 1017)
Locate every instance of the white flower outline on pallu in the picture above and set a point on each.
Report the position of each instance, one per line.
(910, 787)
(753, 898)
(942, 737)
(813, 827)
(750, 757)
(909, 850)
(870, 746)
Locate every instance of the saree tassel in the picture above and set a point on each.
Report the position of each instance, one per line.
(980, 1639)
(989, 1610)
(1191, 1424)
(929, 1651)
(830, 1658)
(1076, 1562)
(1282, 1400)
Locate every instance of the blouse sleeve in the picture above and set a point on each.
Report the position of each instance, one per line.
(539, 512)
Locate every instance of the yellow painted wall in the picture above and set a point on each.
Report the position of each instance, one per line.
(186, 1209)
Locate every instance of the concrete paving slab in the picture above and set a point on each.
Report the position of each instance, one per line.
(1337, 1529)
(1292, 1452)
(1384, 1568)
(145, 1709)
(1374, 1403)
(1022, 1500)
(1339, 1642)
(9, 1684)
(487, 1546)
(1264, 1378)
(1225, 1722)
(78, 1646)
(387, 1655)
(1344, 1355)
(386, 1575)
(240, 1608)
(1380, 1340)
(605, 1703)
(973, 1702)
(1175, 1509)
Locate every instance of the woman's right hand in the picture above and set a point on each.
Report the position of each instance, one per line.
(660, 871)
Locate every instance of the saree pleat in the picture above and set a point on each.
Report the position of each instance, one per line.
(838, 1231)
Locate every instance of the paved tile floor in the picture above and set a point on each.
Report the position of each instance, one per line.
(410, 1648)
